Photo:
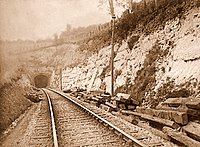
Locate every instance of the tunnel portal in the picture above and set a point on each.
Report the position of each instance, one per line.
(41, 81)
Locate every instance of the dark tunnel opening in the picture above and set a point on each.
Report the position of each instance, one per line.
(41, 81)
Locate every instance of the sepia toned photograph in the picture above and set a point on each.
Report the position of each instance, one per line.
(100, 73)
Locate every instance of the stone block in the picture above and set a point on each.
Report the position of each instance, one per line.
(115, 103)
(94, 103)
(193, 103)
(110, 105)
(144, 110)
(153, 130)
(130, 107)
(133, 101)
(129, 112)
(123, 95)
(193, 130)
(180, 137)
(178, 117)
(164, 122)
(105, 95)
(105, 107)
(95, 98)
(117, 98)
(122, 106)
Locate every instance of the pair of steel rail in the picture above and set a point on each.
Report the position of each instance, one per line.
(133, 141)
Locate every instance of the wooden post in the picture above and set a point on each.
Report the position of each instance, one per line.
(127, 73)
(61, 79)
(112, 57)
(112, 48)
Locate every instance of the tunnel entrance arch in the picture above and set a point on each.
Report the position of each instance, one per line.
(41, 81)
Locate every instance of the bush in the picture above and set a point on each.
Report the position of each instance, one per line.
(145, 79)
(131, 42)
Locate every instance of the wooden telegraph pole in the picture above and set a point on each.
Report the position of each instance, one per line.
(61, 79)
(112, 44)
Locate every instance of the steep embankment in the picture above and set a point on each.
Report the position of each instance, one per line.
(161, 64)
(12, 100)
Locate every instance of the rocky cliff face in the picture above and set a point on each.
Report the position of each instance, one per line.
(163, 64)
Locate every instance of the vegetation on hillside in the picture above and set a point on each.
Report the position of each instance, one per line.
(15, 97)
(12, 103)
(145, 19)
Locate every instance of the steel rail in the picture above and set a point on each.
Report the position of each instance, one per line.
(55, 139)
(134, 140)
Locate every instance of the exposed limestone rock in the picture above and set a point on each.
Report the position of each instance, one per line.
(179, 43)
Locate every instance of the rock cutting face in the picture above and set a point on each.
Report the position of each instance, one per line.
(41, 81)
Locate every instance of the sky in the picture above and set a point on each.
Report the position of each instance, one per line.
(40, 19)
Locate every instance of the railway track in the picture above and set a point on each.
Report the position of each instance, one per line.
(71, 122)
(42, 130)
